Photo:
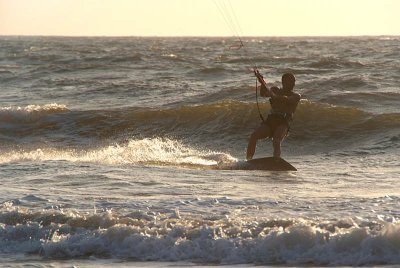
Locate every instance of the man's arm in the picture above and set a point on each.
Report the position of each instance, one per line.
(264, 91)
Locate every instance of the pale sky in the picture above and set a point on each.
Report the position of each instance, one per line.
(199, 17)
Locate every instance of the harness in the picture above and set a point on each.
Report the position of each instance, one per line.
(286, 116)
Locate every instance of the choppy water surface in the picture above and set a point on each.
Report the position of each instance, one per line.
(125, 150)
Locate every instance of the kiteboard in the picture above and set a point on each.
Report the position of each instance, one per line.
(268, 163)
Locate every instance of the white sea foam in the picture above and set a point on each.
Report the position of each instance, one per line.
(51, 107)
(160, 237)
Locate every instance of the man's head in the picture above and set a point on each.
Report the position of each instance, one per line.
(288, 81)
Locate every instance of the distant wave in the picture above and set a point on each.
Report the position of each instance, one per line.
(212, 70)
(334, 62)
(364, 98)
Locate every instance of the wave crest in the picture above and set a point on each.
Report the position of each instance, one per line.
(30, 112)
(208, 125)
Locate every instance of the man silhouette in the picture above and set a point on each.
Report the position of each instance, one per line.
(283, 105)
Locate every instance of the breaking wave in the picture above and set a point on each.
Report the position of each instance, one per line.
(152, 236)
(147, 151)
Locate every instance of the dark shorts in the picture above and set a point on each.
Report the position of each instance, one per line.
(274, 121)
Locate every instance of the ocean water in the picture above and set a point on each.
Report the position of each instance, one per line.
(129, 152)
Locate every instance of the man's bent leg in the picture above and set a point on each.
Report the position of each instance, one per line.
(263, 131)
(279, 135)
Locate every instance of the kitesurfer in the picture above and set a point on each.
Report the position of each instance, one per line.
(283, 105)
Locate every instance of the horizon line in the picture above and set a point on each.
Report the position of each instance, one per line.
(201, 36)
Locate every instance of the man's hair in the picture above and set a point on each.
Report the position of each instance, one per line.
(288, 80)
(288, 76)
